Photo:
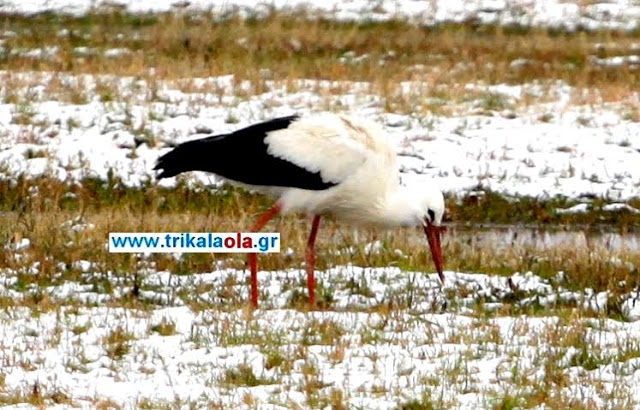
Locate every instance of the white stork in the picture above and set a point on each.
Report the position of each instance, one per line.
(320, 164)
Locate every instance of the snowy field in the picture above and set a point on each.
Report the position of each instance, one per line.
(567, 14)
(552, 148)
(362, 354)
(359, 354)
(389, 338)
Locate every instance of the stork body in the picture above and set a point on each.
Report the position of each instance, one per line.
(321, 164)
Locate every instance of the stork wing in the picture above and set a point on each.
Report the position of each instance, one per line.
(241, 156)
(333, 145)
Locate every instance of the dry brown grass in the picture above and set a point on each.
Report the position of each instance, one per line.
(54, 225)
(284, 46)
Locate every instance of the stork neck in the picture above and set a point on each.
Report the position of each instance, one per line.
(400, 209)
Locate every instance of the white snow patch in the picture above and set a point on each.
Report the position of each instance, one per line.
(576, 209)
(618, 207)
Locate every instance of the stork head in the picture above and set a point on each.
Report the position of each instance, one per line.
(421, 205)
(430, 202)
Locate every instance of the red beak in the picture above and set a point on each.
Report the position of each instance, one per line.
(433, 237)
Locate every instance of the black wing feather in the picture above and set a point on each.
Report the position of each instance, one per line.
(241, 156)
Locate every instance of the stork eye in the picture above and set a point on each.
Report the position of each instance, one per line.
(432, 215)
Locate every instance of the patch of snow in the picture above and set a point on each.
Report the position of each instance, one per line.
(373, 248)
(616, 61)
(576, 209)
(619, 207)
(21, 244)
(116, 52)
(631, 308)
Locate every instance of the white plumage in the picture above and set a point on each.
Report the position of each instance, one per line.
(347, 151)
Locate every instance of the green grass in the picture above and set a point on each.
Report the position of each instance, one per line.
(473, 210)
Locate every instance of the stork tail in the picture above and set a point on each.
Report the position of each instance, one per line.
(185, 157)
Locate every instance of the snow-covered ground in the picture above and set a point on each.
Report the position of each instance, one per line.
(390, 336)
(367, 354)
(568, 14)
(554, 147)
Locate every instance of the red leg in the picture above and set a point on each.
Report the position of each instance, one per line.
(253, 258)
(310, 259)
